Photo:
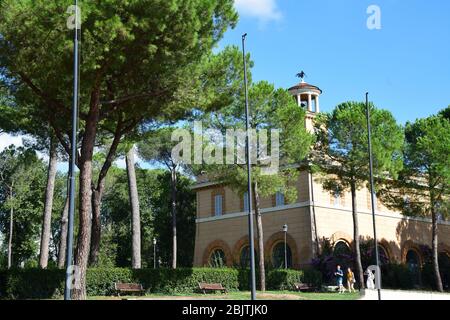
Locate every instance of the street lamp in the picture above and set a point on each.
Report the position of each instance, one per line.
(372, 194)
(154, 253)
(285, 230)
(249, 179)
(72, 159)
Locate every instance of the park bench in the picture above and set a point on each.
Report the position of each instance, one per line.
(128, 288)
(298, 286)
(211, 287)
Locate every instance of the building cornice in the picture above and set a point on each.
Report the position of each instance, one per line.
(308, 204)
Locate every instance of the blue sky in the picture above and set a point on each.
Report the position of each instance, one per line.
(405, 65)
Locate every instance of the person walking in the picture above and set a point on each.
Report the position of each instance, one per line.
(350, 280)
(339, 278)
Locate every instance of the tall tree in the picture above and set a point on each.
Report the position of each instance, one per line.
(156, 147)
(21, 187)
(270, 108)
(135, 211)
(161, 201)
(141, 60)
(341, 154)
(445, 113)
(63, 235)
(423, 188)
(48, 205)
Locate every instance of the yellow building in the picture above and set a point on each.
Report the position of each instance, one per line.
(222, 223)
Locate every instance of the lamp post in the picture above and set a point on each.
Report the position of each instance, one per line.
(249, 180)
(73, 155)
(372, 195)
(285, 229)
(154, 253)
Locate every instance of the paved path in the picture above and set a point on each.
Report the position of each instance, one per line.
(404, 295)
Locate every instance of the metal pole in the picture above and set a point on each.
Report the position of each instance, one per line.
(69, 268)
(154, 253)
(249, 182)
(372, 192)
(285, 251)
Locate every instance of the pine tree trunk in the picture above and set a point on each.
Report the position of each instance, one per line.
(97, 196)
(259, 226)
(85, 209)
(96, 229)
(174, 217)
(135, 211)
(359, 268)
(48, 207)
(434, 245)
(11, 224)
(63, 235)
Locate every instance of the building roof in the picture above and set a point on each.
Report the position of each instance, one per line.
(304, 85)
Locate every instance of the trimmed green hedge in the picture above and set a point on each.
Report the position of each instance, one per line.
(42, 284)
(285, 279)
(397, 276)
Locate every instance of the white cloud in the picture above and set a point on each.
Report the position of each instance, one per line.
(264, 10)
(6, 140)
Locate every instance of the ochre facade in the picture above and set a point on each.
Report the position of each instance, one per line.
(316, 215)
(228, 232)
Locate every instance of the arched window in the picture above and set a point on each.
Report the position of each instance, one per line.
(444, 267)
(341, 248)
(413, 263)
(383, 253)
(279, 256)
(217, 259)
(342, 254)
(244, 258)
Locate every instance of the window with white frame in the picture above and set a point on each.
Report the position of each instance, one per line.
(246, 206)
(336, 198)
(279, 199)
(218, 205)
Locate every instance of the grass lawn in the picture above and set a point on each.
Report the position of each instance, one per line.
(242, 295)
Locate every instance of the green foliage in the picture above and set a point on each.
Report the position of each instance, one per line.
(186, 214)
(285, 279)
(424, 183)
(342, 148)
(397, 276)
(32, 283)
(24, 174)
(154, 199)
(42, 284)
(445, 113)
(270, 108)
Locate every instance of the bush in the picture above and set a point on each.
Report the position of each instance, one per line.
(32, 283)
(285, 279)
(45, 284)
(397, 276)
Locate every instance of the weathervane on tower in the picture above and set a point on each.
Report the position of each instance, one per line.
(301, 75)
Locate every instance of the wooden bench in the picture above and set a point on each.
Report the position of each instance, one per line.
(211, 287)
(303, 287)
(128, 288)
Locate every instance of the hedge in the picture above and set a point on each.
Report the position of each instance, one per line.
(397, 276)
(44, 284)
